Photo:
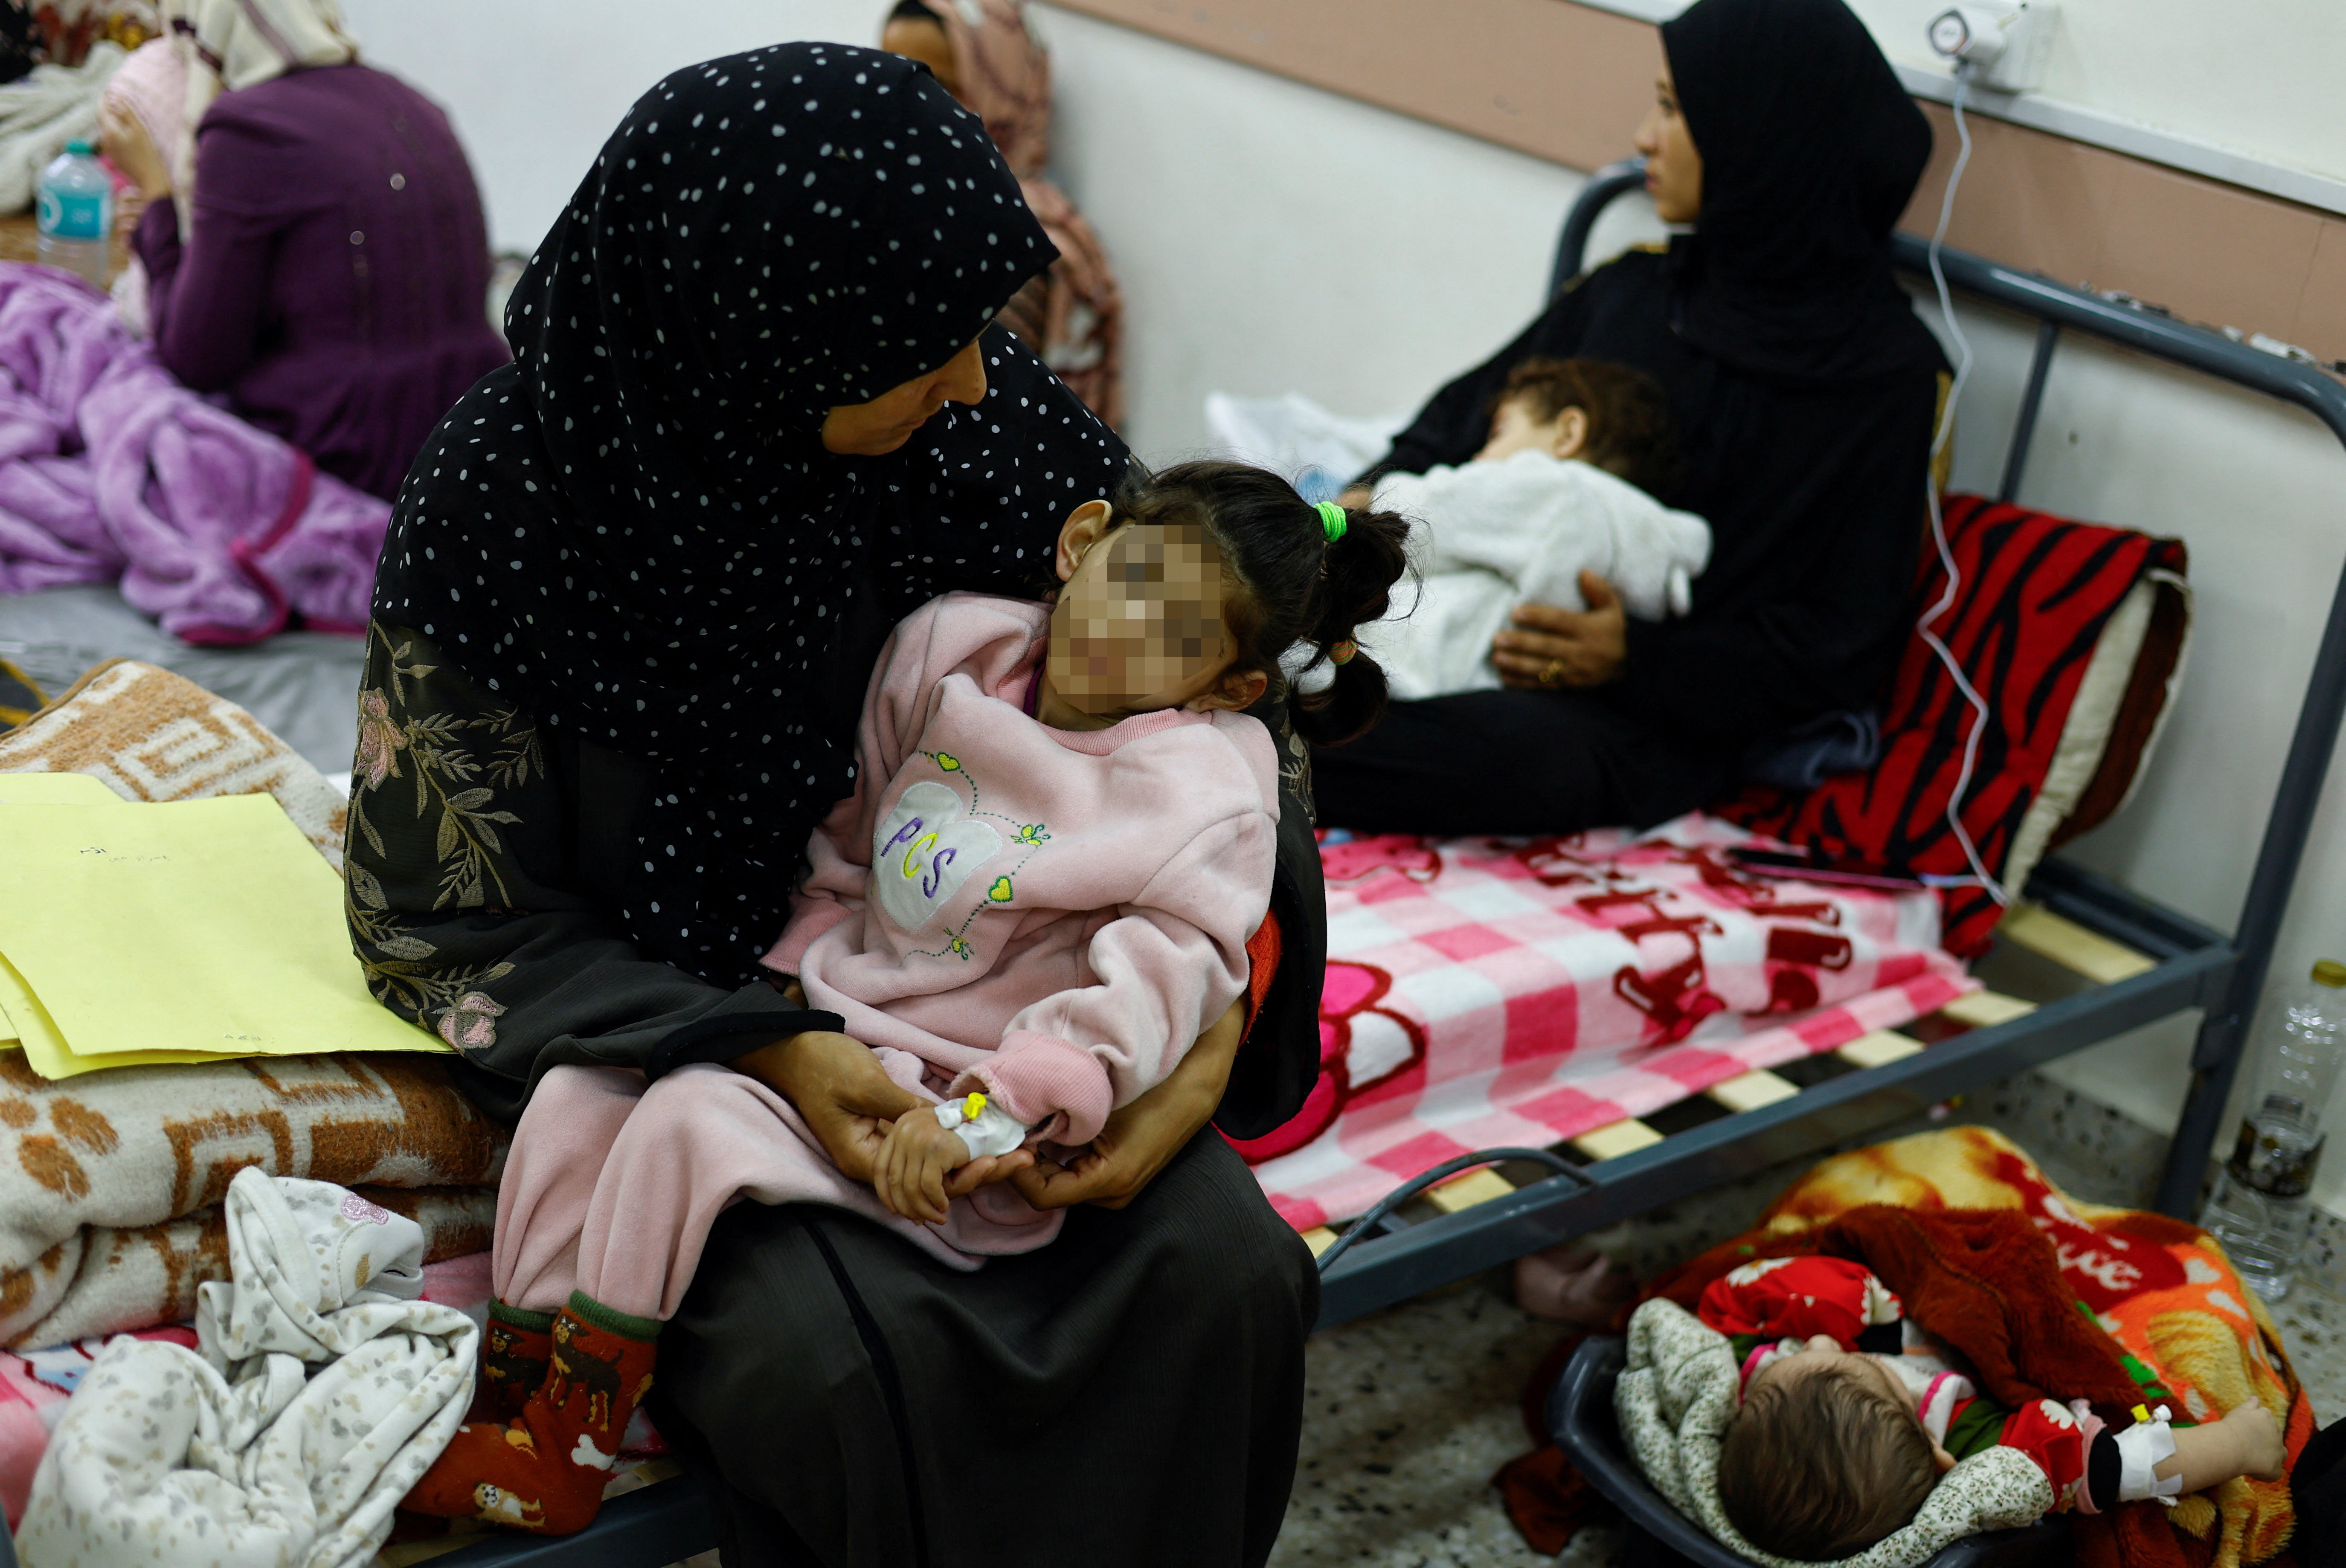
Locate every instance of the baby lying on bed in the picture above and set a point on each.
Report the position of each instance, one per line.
(1561, 489)
(1850, 1414)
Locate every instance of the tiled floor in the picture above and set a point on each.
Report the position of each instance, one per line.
(1410, 1411)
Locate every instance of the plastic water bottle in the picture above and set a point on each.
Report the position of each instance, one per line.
(2260, 1209)
(75, 201)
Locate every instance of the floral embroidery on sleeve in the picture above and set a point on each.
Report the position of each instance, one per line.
(444, 769)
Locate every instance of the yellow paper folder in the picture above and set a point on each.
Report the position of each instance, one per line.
(45, 1050)
(40, 790)
(210, 928)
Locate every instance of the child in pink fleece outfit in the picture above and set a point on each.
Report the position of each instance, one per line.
(1061, 839)
(1046, 915)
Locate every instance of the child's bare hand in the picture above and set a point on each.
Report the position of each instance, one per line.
(2261, 1452)
(915, 1160)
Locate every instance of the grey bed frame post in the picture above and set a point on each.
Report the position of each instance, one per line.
(2216, 1057)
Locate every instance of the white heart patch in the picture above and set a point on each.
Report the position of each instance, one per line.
(924, 852)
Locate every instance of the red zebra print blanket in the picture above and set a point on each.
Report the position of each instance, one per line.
(2035, 593)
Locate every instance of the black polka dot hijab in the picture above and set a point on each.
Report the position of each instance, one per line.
(634, 532)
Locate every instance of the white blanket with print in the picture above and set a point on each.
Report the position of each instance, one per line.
(1520, 530)
(324, 1389)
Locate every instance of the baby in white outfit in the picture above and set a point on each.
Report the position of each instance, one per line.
(1555, 492)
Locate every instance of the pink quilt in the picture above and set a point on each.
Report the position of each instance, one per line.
(1490, 991)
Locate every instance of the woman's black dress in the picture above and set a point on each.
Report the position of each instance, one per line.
(623, 628)
(1804, 389)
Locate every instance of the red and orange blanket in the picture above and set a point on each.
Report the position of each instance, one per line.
(2045, 1296)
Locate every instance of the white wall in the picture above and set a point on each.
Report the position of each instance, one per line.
(2258, 77)
(536, 86)
(1270, 236)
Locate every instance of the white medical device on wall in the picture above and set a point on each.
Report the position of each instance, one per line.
(2003, 42)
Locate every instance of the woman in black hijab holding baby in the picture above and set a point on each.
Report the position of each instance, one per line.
(1804, 389)
(632, 594)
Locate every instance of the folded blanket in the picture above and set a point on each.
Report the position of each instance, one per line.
(149, 735)
(110, 468)
(151, 1273)
(1996, 1261)
(323, 1389)
(118, 1220)
(115, 1223)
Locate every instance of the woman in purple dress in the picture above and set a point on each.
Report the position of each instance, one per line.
(317, 253)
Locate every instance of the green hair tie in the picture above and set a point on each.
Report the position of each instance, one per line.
(1333, 520)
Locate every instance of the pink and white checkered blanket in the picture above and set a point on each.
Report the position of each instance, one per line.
(1487, 991)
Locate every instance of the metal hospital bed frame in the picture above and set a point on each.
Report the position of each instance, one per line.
(2177, 963)
(2182, 963)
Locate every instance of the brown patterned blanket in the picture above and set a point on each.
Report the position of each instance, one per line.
(149, 735)
(110, 1216)
(110, 1183)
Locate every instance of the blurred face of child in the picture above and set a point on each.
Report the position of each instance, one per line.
(1139, 627)
(1517, 426)
(1822, 1351)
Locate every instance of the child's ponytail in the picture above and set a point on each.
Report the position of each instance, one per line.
(1367, 553)
(1306, 576)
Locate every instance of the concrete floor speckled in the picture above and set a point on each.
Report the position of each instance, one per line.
(1409, 1412)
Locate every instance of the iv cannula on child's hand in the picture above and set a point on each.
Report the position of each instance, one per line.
(984, 1127)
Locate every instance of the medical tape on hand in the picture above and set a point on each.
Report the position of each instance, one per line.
(985, 1128)
(2142, 1449)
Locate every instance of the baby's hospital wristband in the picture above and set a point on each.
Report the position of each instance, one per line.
(985, 1128)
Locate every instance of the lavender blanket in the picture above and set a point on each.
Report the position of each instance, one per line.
(111, 469)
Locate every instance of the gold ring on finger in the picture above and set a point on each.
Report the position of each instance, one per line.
(1552, 673)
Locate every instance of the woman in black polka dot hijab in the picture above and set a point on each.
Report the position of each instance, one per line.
(635, 531)
(631, 597)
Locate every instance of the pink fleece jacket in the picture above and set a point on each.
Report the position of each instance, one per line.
(1051, 916)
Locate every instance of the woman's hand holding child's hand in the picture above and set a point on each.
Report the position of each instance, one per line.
(874, 1129)
(839, 1086)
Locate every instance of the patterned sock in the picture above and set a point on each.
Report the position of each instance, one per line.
(512, 1358)
(545, 1470)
